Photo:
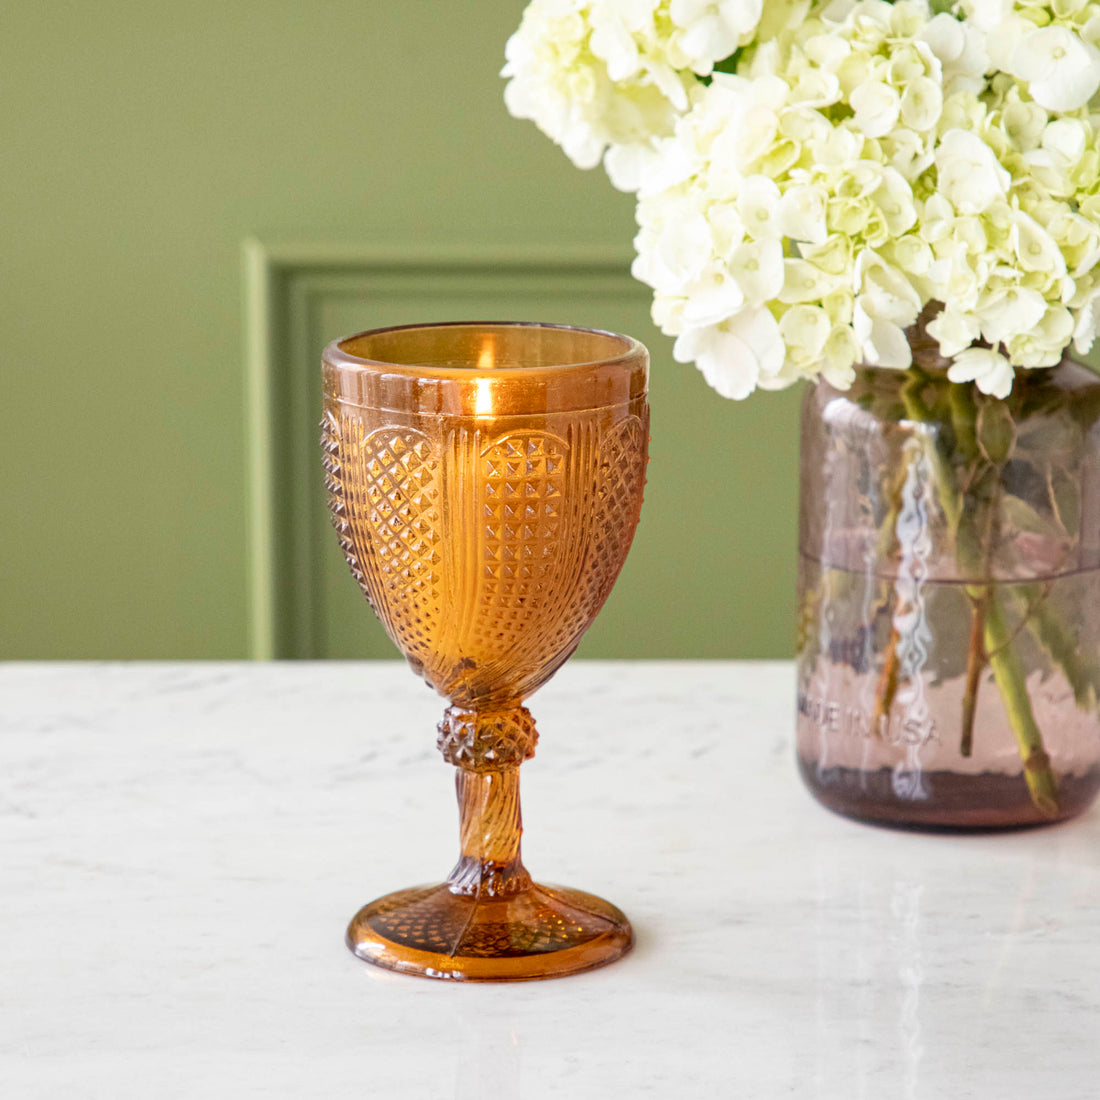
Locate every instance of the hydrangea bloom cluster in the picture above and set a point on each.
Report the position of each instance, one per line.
(868, 159)
(598, 75)
(1053, 47)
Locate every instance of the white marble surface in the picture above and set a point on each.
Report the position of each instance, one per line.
(181, 847)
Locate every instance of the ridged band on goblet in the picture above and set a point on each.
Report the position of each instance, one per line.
(481, 741)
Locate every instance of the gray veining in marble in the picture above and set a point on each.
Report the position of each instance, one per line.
(181, 846)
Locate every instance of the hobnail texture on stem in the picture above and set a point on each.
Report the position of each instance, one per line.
(485, 482)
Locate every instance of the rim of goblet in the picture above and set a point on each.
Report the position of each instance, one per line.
(335, 354)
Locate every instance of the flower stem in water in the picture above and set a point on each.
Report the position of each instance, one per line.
(975, 663)
(1009, 674)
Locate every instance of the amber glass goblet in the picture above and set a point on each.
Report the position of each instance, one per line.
(485, 480)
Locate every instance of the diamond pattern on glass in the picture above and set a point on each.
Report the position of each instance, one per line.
(390, 488)
(539, 523)
(617, 500)
(399, 467)
(523, 478)
(331, 442)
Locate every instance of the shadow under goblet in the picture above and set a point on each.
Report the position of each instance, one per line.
(485, 480)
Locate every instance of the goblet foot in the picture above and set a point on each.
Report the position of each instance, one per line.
(539, 932)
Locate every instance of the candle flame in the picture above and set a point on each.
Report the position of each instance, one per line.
(483, 403)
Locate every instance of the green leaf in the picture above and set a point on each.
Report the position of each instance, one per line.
(1020, 515)
(1082, 670)
(728, 64)
(996, 432)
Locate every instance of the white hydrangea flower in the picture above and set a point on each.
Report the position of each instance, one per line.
(894, 198)
(1043, 344)
(805, 330)
(961, 50)
(1050, 47)
(1034, 248)
(866, 160)
(629, 165)
(557, 79)
(713, 297)
(1006, 310)
(804, 281)
(1062, 71)
(774, 167)
(954, 330)
(1066, 139)
(877, 108)
(990, 370)
(1023, 122)
(921, 103)
(736, 354)
(800, 213)
(1084, 332)
(841, 353)
(970, 176)
(712, 29)
(758, 202)
(886, 304)
(757, 266)
(612, 76)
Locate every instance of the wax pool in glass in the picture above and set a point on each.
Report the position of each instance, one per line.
(485, 481)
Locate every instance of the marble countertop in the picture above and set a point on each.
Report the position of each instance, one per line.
(182, 845)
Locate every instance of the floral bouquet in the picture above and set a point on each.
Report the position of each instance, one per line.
(857, 187)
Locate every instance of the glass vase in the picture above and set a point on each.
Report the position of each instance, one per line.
(949, 597)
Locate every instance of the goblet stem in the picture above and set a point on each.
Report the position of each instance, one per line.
(490, 827)
(488, 921)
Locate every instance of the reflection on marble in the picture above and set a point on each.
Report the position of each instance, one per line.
(182, 845)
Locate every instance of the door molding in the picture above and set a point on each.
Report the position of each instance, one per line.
(285, 285)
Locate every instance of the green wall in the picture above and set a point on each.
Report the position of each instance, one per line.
(140, 145)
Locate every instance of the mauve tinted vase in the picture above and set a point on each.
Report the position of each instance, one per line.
(949, 594)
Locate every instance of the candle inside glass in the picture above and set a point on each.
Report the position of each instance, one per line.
(485, 481)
